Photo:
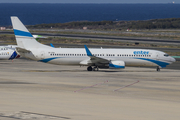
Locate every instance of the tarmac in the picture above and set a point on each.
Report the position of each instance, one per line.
(33, 90)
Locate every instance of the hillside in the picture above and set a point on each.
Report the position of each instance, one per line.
(169, 23)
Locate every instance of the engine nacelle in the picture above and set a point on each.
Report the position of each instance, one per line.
(117, 65)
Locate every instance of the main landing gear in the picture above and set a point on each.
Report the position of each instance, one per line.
(92, 69)
(89, 68)
(158, 69)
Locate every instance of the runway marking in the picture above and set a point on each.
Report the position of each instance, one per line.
(30, 115)
(126, 86)
(91, 86)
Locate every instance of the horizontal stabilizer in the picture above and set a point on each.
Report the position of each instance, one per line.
(18, 49)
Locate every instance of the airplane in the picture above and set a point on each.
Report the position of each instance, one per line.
(94, 59)
(8, 52)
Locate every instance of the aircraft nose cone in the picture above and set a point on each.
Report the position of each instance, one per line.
(173, 59)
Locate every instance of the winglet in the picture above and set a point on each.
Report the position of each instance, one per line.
(52, 45)
(88, 51)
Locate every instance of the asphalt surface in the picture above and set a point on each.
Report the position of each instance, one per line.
(33, 90)
(100, 37)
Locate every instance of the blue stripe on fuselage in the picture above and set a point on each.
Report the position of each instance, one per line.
(48, 59)
(22, 33)
(160, 63)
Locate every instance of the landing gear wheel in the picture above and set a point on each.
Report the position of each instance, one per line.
(89, 68)
(158, 69)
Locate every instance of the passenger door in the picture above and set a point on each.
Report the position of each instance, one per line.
(157, 56)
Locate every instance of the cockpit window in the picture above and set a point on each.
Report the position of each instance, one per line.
(166, 55)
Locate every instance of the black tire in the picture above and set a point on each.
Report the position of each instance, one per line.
(158, 69)
(89, 68)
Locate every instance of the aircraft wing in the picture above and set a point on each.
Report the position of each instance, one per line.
(94, 59)
(101, 62)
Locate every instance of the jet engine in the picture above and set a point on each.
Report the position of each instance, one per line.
(116, 65)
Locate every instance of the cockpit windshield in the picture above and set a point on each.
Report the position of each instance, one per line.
(166, 55)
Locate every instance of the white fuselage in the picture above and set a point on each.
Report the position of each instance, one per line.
(76, 56)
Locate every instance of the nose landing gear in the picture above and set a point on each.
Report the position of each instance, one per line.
(158, 69)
